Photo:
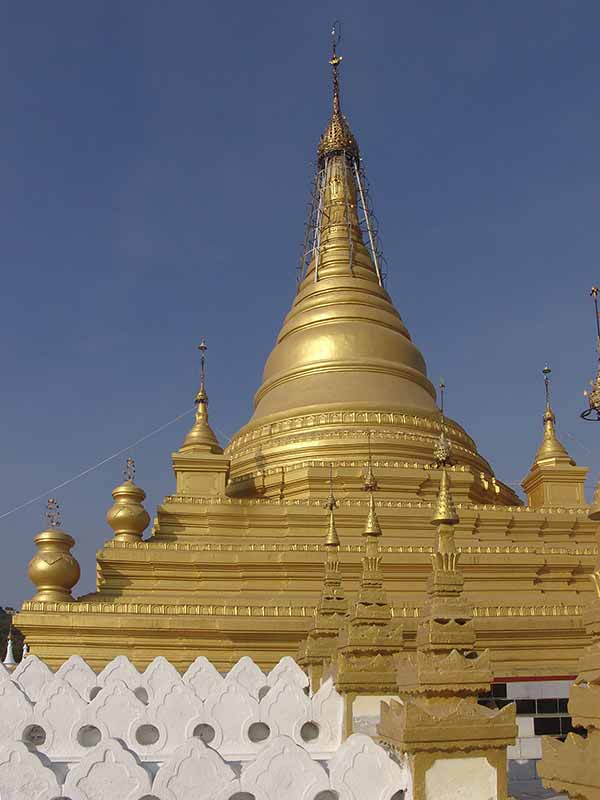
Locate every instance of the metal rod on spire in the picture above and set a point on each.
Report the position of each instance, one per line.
(331, 502)
(546, 373)
(371, 484)
(592, 413)
(335, 61)
(203, 348)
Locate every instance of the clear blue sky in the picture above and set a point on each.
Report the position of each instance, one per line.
(156, 160)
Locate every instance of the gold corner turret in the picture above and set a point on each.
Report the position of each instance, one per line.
(200, 467)
(53, 570)
(554, 479)
(316, 651)
(127, 516)
(439, 717)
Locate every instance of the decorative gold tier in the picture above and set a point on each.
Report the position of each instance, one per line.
(224, 577)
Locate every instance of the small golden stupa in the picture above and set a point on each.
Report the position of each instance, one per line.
(234, 562)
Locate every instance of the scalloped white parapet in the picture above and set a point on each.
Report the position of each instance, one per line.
(105, 736)
(15, 712)
(285, 709)
(23, 776)
(282, 769)
(58, 711)
(203, 677)
(361, 769)
(249, 675)
(115, 710)
(32, 675)
(160, 676)
(289, 672)
(195, 772)
(107, 772)
(79, 674)
(232, 710)
(120, 669)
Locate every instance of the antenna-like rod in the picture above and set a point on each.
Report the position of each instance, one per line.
(331, 503)
(592, 413)
(546, 373)
(335, 61)
(203, 347)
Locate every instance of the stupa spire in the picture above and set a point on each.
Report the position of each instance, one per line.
(550, 448)
(340, 220)
(201, 435)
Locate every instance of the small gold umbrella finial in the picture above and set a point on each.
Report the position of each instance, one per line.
(201, 436)
(127, 516)
(53, 570)
(550, 447)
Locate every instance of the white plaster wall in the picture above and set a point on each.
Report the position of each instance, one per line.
(461, 779)
(145, 741)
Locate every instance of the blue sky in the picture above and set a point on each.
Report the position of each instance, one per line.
(156, 161)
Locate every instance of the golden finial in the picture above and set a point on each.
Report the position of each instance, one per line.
(332, 538)
(592, 413)
(338, 136)
(445, 510)
(550, 447)
(53, 513)
(127, 516)
(201, 436)
(442, 450)
(372, 525)
(53, 570)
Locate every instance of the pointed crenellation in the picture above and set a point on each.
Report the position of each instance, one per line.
(572, 766)
(10, 662)
(554, 479)
(316, 651)
(371, 637)
(439, 717)
(200, 467)
(127, 516)
(53, 570)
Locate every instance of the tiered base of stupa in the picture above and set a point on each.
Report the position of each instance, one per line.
(226, 577)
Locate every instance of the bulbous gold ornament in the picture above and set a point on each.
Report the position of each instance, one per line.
(53, 570)
(127, 517)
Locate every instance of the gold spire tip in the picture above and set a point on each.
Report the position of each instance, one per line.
(445, 510)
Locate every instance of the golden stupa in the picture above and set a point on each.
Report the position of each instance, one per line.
(234, 561)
